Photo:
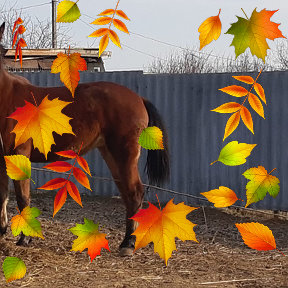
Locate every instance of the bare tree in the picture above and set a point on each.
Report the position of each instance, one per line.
(193, 61)
(38, 32)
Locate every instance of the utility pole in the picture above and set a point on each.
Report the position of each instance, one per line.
(54, 36)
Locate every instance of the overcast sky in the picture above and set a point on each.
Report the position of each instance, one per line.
(175, 22)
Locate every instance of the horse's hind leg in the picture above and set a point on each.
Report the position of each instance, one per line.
(3, 197)
(124, 167)
(22, 189)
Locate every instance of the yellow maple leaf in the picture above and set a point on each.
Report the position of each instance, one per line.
(68, 66)
(162, 227)
(210, 29)
(38, 123)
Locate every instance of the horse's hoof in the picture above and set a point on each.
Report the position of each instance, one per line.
(125, 251)
(24, 241)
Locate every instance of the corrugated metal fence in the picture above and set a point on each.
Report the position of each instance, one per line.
(195, 133)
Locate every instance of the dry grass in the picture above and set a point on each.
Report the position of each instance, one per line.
(221, 259)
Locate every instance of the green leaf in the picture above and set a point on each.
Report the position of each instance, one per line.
(151, 138)
(13, 268)
(67, 11)
(234, 153)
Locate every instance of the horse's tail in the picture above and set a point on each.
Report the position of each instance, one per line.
(157, 165)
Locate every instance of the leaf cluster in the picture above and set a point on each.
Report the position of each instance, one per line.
(21, 42)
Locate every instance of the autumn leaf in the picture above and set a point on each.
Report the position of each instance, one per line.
(18, 167)
(59, 166)
(229, 107)
(38, 123)
(235, 90)
(161, 227)
(74, 192)
(232, 124)
(99, 33)
(222, 197)
(260, 91)
(209, 30)
(253, 32)
(67, 11)
(26, 223)
(235, 153)
(260, 183)
(89, 237)
(54, 184)
(245, 79)
(122, 14)
(114, 38)
(13, 268)
(102, 21)
(120, 25)
(80, 160)
(256, 104)
(17, 22)
(107, 12)
(246, 118)
(103, 44)
(60, 199)
(151, 138)
(257, 236)
(81, 177)
(69, 67)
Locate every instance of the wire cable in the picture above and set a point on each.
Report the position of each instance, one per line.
(27, 7)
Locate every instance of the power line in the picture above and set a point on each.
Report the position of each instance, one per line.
(27, 7)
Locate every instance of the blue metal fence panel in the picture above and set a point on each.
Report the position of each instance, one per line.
(195, 133)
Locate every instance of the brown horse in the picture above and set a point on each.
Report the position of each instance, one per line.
(104, 115)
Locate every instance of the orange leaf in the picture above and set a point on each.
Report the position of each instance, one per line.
(59, 166)
(21, 29)
(260, 91)
(17, 50)
(60, 199)
(22, 42)
(162, 227)
(69, 67)
(68, 154)
(74, 192)
(256, 104)
(247, 119)
(39, 123)
(257, 236)
(222, 197)
(99, 33)
(107, 12)
(103, 44)
(17, 22)
(120, 25)
(83, 163)
(245, 79)
(232, 124)
(81, 177)
(114, 37)
(209, 30)
(15, 38)
(235, 90)
(54, 184)
(102, 21)
(122, 14)
(228, 108)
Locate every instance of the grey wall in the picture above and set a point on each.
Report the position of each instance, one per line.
(195, 133)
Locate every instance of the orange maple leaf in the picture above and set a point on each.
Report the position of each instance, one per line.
(253, 32)
(89, 237)
(161, 227)
(69, 67)
(38, 123)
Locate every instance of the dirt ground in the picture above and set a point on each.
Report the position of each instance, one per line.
(221, 259)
